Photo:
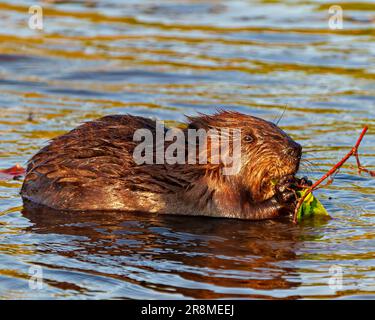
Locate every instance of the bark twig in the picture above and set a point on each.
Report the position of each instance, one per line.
(335, 168)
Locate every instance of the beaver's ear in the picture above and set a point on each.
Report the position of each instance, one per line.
(200, 122)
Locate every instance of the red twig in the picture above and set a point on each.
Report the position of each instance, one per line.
(16, 170)
(336, 167)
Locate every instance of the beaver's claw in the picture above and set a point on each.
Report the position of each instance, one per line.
(285, 193)
(305, 182)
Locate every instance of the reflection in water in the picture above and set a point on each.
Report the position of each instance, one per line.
(190, 257)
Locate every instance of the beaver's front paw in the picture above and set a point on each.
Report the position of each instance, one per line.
(285, 193)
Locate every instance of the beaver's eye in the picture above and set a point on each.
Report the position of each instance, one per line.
(249, 138)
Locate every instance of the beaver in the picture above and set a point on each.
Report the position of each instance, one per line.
(92, 168)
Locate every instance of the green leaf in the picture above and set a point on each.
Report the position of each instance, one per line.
(274, 182)
(311, 206)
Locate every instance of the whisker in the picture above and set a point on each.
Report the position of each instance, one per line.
(282, 115)
(310, 166)
(305, 168)
(309, 163)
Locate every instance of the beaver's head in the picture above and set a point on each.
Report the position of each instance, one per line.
(267, 152)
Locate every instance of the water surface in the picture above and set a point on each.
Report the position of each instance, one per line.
(165, 59)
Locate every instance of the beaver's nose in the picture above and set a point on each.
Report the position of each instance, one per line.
(294, 150)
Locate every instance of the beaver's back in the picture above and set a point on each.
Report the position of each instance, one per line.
(89, 168)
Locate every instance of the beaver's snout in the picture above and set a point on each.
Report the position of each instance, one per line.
(294, 150)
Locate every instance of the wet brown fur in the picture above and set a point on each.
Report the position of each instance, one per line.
(92, 168)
